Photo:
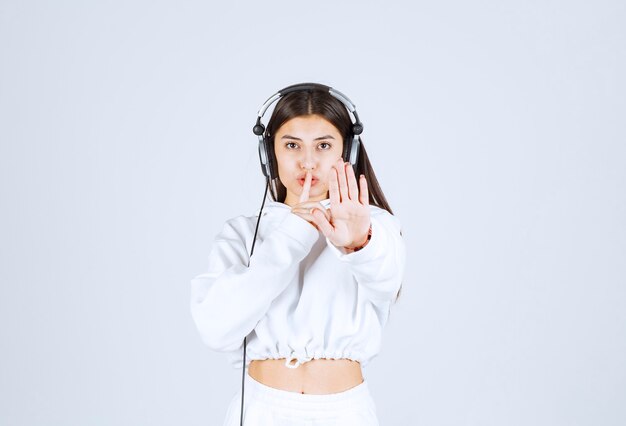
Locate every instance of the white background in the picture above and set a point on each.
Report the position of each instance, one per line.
(496, 130)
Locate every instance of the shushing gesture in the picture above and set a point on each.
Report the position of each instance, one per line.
(346, 223)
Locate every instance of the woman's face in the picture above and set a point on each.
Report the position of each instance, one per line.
(308, 142)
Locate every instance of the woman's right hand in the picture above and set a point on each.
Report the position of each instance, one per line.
(305, 207)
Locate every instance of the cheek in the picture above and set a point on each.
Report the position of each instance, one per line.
(282, 162)
(325, 180)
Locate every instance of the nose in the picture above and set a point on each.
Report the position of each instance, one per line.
(308, 160)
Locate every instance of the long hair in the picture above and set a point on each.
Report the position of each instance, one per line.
(322, 103)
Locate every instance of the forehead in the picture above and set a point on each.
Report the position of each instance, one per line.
(308, 125)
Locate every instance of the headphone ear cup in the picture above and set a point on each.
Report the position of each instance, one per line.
(271, 163)
(351, 151)
(263, 159)
(347, 148)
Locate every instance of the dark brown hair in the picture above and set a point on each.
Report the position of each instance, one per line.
(322, 103)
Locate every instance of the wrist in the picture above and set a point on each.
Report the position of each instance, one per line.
(364, 243)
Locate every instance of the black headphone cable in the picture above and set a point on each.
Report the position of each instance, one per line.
(243, 376)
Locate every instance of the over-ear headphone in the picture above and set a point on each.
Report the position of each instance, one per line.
(350, 149)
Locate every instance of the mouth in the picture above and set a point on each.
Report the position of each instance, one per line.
(313, 181)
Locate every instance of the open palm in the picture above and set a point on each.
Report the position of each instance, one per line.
(349, 208)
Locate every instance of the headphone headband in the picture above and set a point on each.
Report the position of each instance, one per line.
(357, 125)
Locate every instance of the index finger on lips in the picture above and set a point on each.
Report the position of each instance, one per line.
(304, 195)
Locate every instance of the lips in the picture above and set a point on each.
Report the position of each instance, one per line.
(302, 178)
(313, 181)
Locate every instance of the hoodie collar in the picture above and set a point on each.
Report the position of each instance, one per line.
(272, 206)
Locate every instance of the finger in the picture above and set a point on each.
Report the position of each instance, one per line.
(306, 208)
(353, 189)
(364, 196)
(322, 223)
(343, 184)
(306, 215)
(302, 211)
(304, 195)
(333, 186)
(319, 206)
(328, 214)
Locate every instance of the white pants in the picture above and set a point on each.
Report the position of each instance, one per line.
(268, 406)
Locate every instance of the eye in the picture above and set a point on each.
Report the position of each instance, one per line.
(327, 144)
(290, 143)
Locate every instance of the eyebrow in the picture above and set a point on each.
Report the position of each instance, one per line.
(316, 139)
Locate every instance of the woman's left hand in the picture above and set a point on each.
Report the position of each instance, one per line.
(349, 208)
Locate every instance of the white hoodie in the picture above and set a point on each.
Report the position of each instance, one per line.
(301, 298)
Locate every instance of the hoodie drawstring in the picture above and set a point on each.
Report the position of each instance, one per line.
(299, 361)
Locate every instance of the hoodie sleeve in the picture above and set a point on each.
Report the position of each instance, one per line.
(230, 298)
(379, 266)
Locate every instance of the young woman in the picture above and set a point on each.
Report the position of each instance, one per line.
(309, 306)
